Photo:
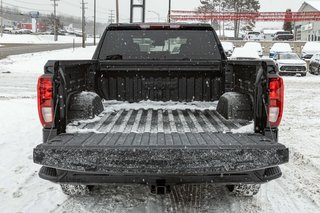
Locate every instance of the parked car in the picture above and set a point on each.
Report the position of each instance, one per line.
(254, 46)
(283, 36)
(8, 30)
(254, 36)
(280, 48)
(290, 64)
(23, 31)
(309, 49)
(244, 53)
(314, 67)
(228, 48)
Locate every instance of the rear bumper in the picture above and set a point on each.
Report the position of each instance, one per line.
(292, 73)
(61, 176)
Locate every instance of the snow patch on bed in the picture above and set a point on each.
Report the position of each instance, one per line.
(111, 106)
(77, 126)
(248, 129)
(75, 129)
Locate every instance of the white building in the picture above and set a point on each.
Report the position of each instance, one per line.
(308, 30)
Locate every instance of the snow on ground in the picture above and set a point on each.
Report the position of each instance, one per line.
(28, 67)
(21, 190)
(39, 39)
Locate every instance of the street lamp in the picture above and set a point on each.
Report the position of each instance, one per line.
(169, 12)
(152, 11)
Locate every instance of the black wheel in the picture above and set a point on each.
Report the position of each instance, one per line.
(75, 190)
(303, 74)
(244, 190)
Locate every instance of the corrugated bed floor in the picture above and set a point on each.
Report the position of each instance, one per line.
(158, 121)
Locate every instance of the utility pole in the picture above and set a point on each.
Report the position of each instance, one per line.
(111, 16)
(83, 23)
(94, 22)
(55, 27)
(169, 12)
(1, 16)
(117, 11)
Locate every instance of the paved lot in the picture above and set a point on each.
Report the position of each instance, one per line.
(16, 49)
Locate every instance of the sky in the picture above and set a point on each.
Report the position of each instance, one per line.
(72, 7)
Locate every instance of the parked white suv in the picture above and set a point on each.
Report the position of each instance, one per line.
(254, 46)
(309, 49)
(254, 36)
(228, 47)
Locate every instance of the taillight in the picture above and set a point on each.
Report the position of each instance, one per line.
(276, 97)
(45, 102)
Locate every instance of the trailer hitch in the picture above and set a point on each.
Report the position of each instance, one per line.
(160, 187)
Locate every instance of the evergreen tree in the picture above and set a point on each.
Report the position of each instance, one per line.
(232, 6)
(287, 26)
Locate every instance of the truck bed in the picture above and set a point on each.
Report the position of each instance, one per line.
(160, 140)
(158, 117)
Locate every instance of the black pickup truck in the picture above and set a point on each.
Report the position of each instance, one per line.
(160, 104)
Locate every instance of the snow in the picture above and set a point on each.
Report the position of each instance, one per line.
(156, 105)
(281, 47)
(39, 39)
(227, 46)
(311, 47)
(28, 67)
(254, 46)
(244, 53)
(21, 190)
(228, 33)
(245, 129)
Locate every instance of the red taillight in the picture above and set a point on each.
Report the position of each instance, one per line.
(276, 97)
(45, 105)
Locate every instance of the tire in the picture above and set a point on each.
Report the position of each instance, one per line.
(75, 190)
(244, 190)
(303, 74)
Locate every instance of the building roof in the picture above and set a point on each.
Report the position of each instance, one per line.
(313, 3)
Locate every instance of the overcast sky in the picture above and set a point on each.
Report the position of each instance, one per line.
(72, 7)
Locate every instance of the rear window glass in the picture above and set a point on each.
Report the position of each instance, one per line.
(254, 33)
(159, 44)
(288, 56)
(283, 32)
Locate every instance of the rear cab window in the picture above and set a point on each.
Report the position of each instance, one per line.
(164, 44)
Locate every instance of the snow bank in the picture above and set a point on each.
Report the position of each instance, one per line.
(34, 62)
(39, 39)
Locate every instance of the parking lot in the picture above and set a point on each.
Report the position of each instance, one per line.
(22, 190)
